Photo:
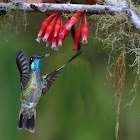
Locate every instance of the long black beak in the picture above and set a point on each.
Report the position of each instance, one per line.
(45, 55)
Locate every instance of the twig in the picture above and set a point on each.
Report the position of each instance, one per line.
(53, 7)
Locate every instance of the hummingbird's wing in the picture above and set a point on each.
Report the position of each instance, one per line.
(51, 77)
(23, 67)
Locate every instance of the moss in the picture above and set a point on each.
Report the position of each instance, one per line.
(116, 32)
(12, 18)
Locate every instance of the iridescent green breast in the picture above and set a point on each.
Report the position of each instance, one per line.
(33, 90)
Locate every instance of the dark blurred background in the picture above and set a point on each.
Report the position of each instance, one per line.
(80, 105)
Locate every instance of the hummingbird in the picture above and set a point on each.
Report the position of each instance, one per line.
(32, 86)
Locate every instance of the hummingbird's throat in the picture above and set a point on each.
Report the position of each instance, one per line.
(35, 66)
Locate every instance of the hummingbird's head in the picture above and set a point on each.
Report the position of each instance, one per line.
(35, 62)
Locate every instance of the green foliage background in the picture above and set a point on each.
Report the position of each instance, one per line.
(79, 105)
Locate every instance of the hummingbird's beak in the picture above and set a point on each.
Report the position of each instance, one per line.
(45, 55)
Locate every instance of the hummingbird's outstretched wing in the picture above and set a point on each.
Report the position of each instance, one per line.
(51, 77)
(23, 67)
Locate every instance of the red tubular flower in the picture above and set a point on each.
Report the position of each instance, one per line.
(40, 37)
(45, 24)
(57, 26)
(85, 30)
(60, 40)
(64, 31)
(77, 36)
(52, 29)
(67, 33)
(43, 27)
(54, 42)
(73, 19)
(49, 30)
(49, 40)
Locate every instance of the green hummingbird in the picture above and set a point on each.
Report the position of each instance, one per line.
(32, 85)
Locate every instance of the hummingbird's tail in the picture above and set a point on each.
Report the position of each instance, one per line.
(28, 124)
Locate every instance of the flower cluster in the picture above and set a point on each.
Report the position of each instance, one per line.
(52, 29)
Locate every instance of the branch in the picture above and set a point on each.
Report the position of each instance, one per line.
(112, 7)
(53, 7)
(132, 16)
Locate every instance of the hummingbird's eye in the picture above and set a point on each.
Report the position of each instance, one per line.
(31, 59)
